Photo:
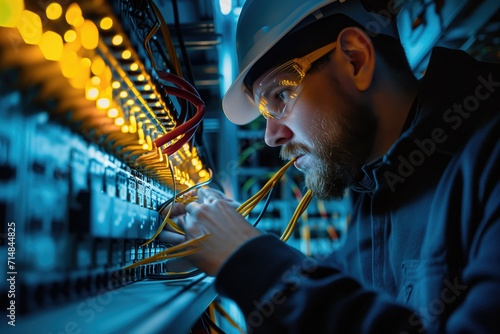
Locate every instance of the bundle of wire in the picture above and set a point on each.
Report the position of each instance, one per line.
(189, 247)
(183, 133)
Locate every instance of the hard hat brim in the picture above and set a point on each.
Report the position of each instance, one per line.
(237, 105)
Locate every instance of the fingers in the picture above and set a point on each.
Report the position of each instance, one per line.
(177, 210)
(192, 208)
(205, 195)
(191, 227)
(209, 195)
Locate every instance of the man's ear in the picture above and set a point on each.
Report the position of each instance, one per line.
(357, 49)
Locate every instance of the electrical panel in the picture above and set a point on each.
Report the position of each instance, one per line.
(468, 25)
(98, 129)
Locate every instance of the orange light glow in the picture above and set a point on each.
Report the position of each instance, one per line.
(53, 11)
(98, 65)
(89, 35)
(126, 54)
(134, 67)
(117, 40)
(91, 93)
(29, 26)
(70, 36)
(70, 64)
(96, 81)
(106, 23)
(51, 45)
(74, 15)
(103, 103)
(112, 112)
(119, 121)
(83, 72)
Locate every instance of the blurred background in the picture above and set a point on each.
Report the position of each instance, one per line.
(111, 109)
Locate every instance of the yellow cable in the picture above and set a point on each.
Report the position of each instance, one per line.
(158, 231)
(249, 204)
(162, 258)
(167, 38)
(177, 198)
(172, 252)
(211, 313)
(244, 209)
(296, 215)
(174, 225)
(227, 317)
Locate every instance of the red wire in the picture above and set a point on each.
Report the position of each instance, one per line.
(189, 93)
(175, 79)
(191, 123)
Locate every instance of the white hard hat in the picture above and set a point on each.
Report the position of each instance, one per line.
(265, 23)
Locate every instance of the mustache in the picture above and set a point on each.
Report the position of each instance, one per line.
(291, 150)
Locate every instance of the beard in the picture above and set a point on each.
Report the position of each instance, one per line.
(342, 143)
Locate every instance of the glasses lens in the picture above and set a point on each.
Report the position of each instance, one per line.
(278, 89)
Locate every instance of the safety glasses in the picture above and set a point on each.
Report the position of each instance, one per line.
(279, 90)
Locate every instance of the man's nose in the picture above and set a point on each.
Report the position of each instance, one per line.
(277, 133)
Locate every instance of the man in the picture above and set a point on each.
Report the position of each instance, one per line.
(422, 158)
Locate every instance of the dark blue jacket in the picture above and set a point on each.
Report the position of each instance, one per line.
(422, 252)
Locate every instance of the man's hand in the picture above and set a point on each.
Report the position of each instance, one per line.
(178, 215)
(216, 215)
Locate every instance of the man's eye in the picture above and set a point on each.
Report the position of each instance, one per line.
(284, 95)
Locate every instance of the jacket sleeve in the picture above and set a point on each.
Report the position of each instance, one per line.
(280, 290)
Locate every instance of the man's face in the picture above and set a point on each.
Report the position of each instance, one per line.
(330, 133)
